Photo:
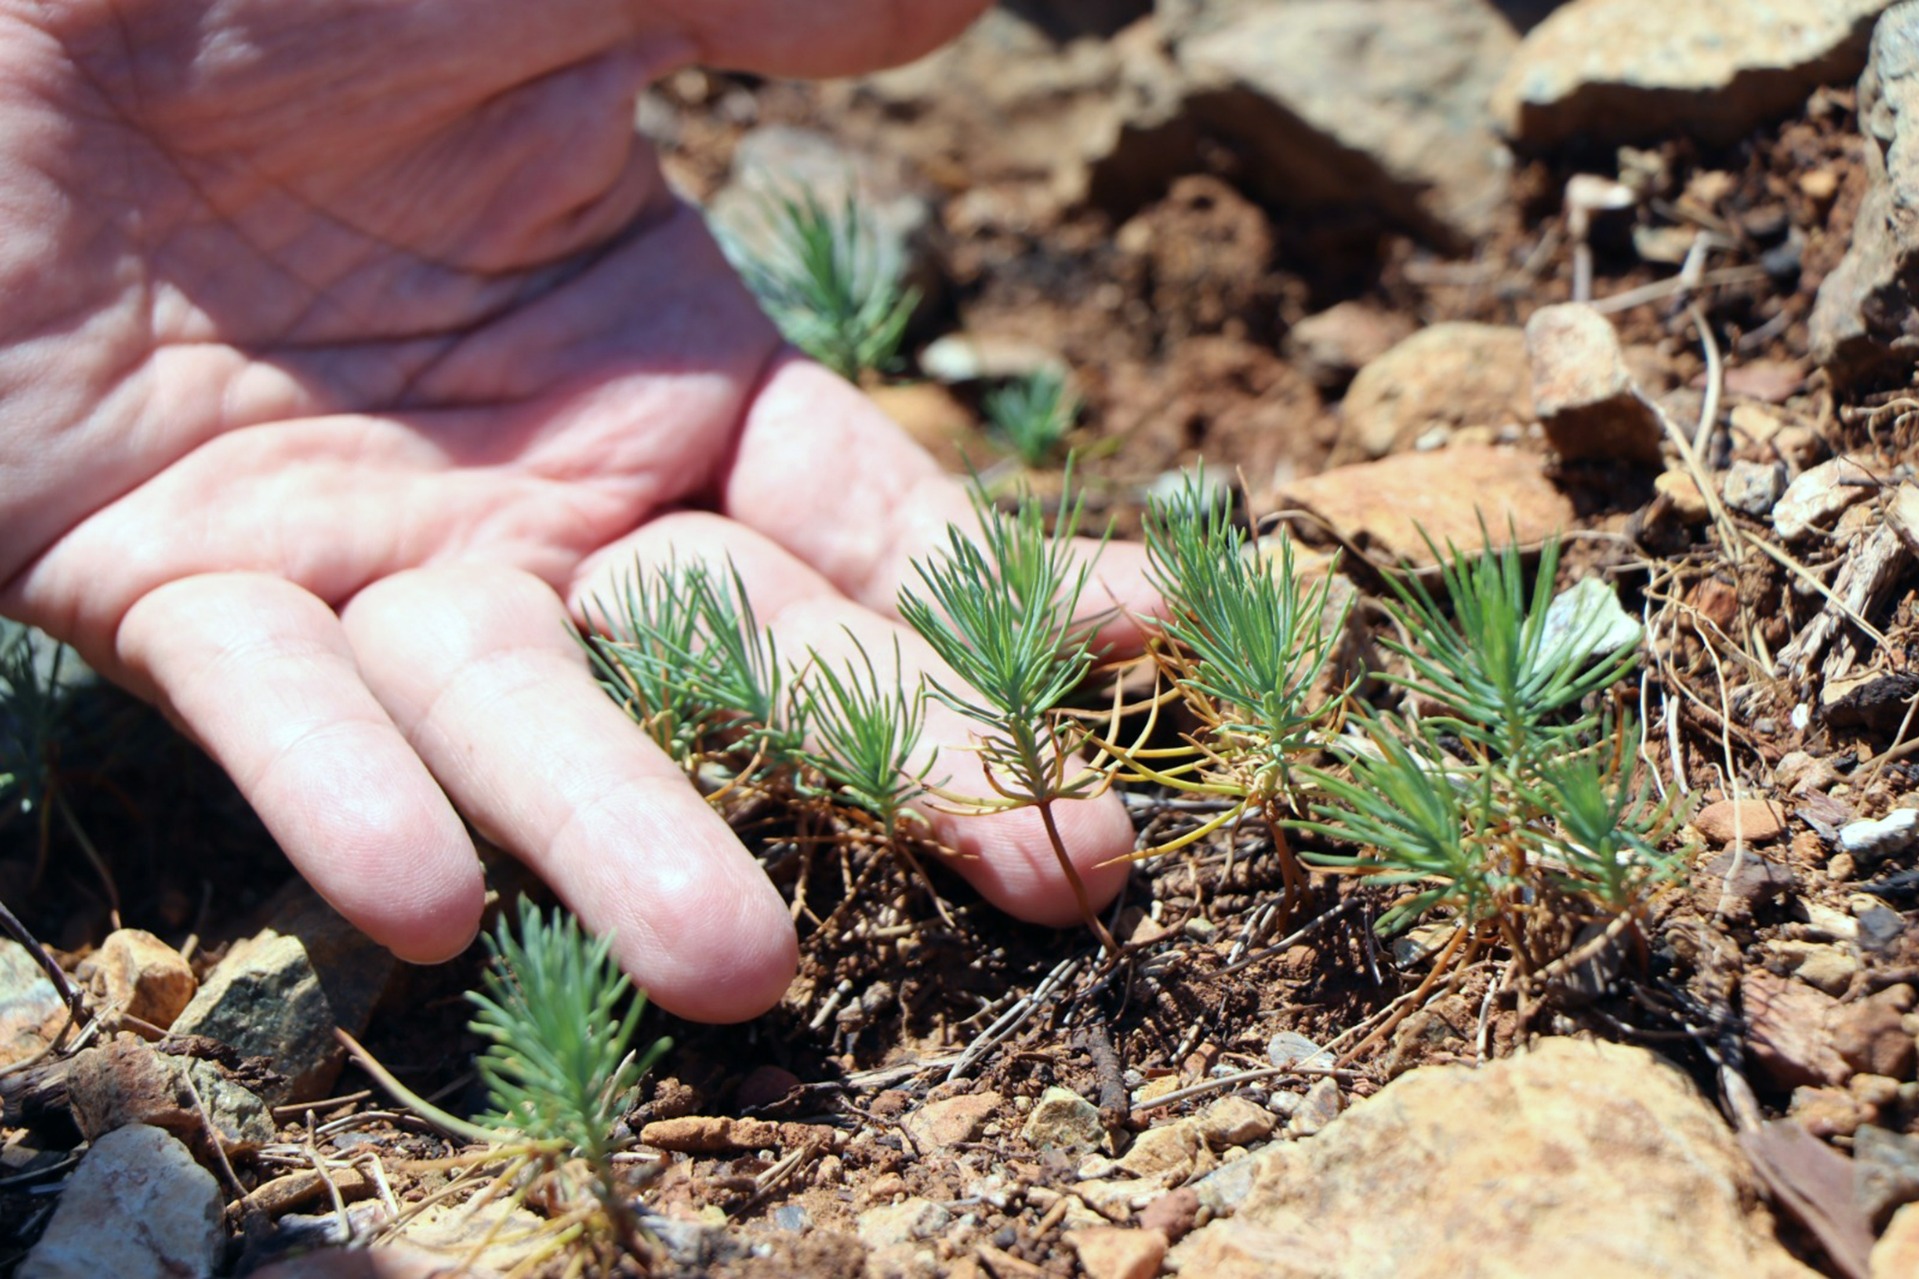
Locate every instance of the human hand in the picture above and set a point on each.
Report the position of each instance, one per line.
(345, 345)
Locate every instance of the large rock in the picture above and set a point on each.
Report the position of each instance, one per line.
(280, 994)
(138, 1206)
(1353, 102)
(1575, 1159)
(1340, 102)
(1452, 494)
(1025, 113)
(1865, 316)
(1611, 71)
(1441, 378)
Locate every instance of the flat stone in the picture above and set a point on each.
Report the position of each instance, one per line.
(280, 994)
(125, 1081)
(1870, 1035)
(31, 1011)
(1452, 494)
(1611, 71)
(1063, 1119)
(1173, 1214)
(1735, 882)
(391, 1260)
(1789, 1030)
(1583, 393)
(940, 1124)
(1821, 965)
(1166, 1152)
(1575, 1159)
(1756, 821)
(1333, 345)
(1444, 377)
(137, 1207)
(137, 975)
(905, 1222)
(1819, 495)
(1115, 1252)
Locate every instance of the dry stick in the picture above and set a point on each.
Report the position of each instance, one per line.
(69, 994)
(1440, 967)
(1249, 1077)
(1013, 1018)
(1288, 942)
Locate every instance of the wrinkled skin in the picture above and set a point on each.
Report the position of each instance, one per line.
(345, 345)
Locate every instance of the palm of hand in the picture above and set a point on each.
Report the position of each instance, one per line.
(375, 336)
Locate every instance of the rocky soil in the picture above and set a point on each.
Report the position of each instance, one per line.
(1636, 272)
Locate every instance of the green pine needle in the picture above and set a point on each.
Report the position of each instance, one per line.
(868, 731)
(557, 1012)
(1031, 416)
(828, 288)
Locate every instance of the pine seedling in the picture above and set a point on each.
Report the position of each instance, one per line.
(1421, 824)
(1505, 679)
(1259, 639)
(1602, 830)
(1030, 417)
(682, 651)
(828, 287)
(1245, 642)
(868, 734)
(645, 649)
(1001, 612)
(559, 1016)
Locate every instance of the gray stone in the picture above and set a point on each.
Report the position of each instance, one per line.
(1574, 1159)
(1610, 71)
(1063, 1119)
(1753, 487)
(1865, 317)
(1583, 393)
(1885, 1172)
(138, 1206)
(31, 1011)
(279, 995)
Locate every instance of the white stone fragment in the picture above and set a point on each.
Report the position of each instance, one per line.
(1872, 840)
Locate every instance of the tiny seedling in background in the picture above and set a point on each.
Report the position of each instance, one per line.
(828, 285)
(1030, 417)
